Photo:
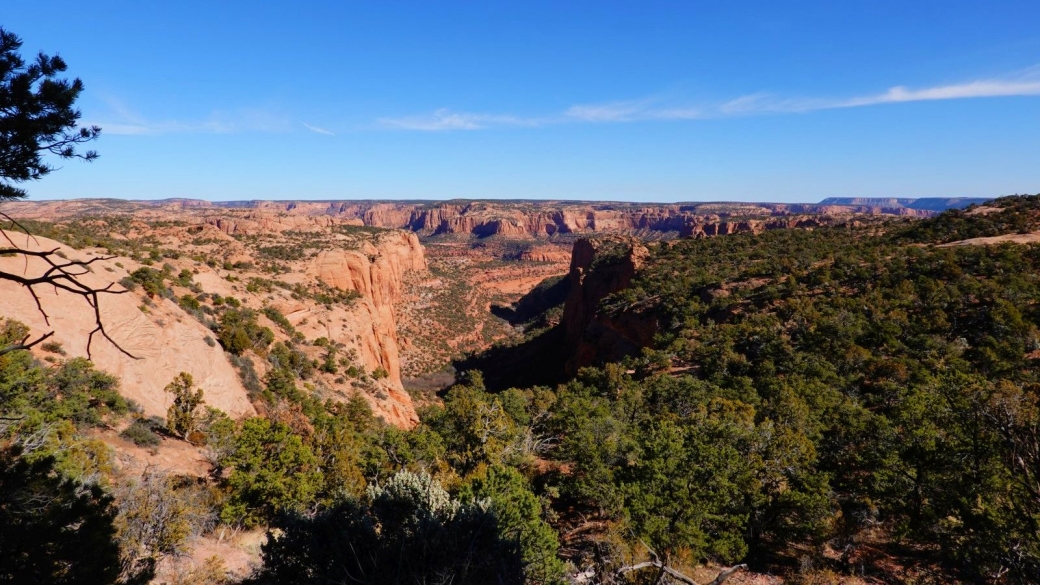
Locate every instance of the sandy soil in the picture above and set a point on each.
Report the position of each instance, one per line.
(1030, 238)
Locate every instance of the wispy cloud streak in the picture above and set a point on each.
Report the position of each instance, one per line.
(317, 129)
(123, 120)
(445, 119)
(632, 111)
(648, 109)
(766, 103)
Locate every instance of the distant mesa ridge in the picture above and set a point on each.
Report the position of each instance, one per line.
(922, 203)
(333, 207)
(509, 218)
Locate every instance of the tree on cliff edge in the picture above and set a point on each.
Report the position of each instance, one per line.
(38, 121)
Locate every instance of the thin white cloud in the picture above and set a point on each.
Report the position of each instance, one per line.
(975, 89)
(632, 111)
(766, 103)
(317, 129)
(123, 120)
(679, 113)
(445, 119)
(1025, 84)
(626, 111)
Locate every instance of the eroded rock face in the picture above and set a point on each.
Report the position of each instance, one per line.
(260, 222)
(483, 218)
(598, 269)
(544, 254)
(515, 219)
(376, 272)
(165, 340)
(373, 270)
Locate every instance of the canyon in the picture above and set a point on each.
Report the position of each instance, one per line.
(387, 302)
(430, 270)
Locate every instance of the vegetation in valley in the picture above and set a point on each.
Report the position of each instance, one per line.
(444, 315)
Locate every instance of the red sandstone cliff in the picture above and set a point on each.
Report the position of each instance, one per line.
(544, 219)
(376, 272)
(600, 268)
(526, 219)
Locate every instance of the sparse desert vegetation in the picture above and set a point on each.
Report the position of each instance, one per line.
(512, 391)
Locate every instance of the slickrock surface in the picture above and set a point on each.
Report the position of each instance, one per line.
(165, 341)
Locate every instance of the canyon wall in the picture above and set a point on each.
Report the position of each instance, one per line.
(376, 272)
(518, 219)
(367, 326)
(545, 219)
(165, 340)
(264, 222)
(600, 268)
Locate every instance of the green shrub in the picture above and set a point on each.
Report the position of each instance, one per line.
(141, 434)
(410, 527)
(189, 303)
(279, 319)
(273, 471)
(183, 415)
(152, 281)
(238, 331)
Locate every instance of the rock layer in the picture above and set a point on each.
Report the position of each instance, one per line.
(515, 219)
(376, 272)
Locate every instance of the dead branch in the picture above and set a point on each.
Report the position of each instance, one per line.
(663, 569)
(657, 564)
(19, 226)
(61, 275)
(588, 526)
(727, 573)
(23, 345)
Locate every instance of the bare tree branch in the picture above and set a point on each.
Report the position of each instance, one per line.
(23, 345)
(727, 573)
(663, 569)
(61, 275)
(19, 226)
(719, 580)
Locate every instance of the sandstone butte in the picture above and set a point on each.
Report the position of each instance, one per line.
(167, 340)
(589, 335)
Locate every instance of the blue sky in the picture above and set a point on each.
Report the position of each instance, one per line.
(643, 101)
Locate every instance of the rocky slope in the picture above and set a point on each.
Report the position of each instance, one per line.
(373, 266)
(164, 340)
(377, 273)
(307, 256)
